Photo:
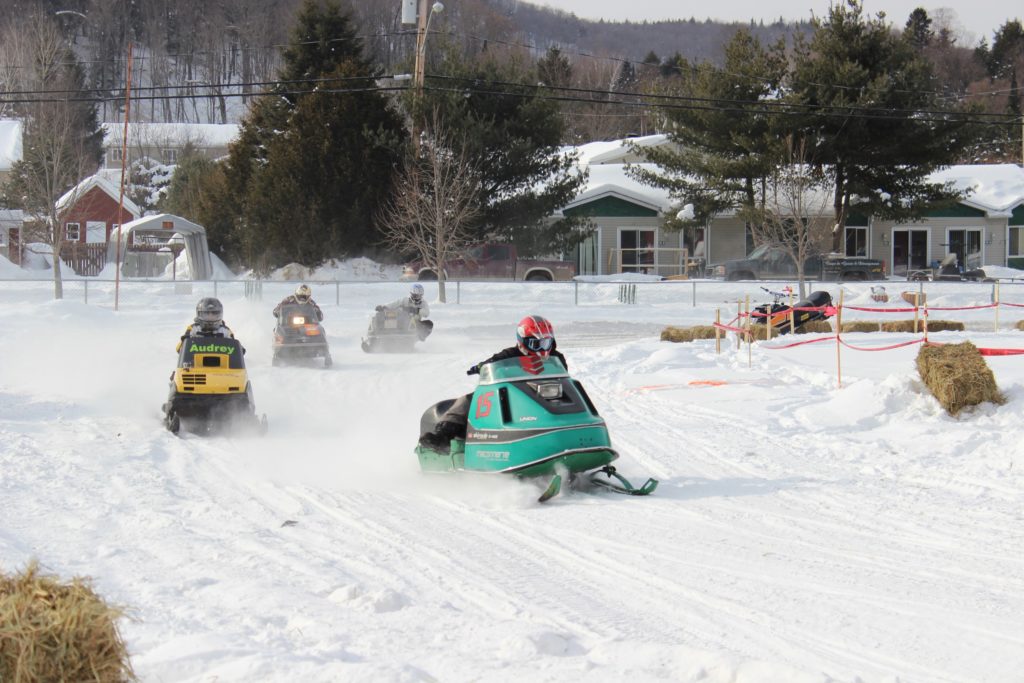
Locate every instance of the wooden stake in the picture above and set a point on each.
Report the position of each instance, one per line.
(742, 323)
(792, 329)
(750, 341)
(839, 346)
(718, 331)
(995, 300)
(916, 316)
(124, 165)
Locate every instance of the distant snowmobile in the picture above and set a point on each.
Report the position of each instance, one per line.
(777, 314)
(299, 335)
(393, 329)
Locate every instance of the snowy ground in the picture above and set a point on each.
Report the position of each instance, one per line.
(802, 531)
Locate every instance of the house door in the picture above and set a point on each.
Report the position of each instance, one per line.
(637, 249)
(909, 250)
(95, 232)
(966, 244)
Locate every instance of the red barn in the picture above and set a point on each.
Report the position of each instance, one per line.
(89, 212)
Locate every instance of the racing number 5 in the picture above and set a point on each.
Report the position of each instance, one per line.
(483, 404)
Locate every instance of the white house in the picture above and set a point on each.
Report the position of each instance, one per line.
(627, 217)
(163, 143)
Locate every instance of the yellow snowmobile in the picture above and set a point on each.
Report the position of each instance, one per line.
(210, 389)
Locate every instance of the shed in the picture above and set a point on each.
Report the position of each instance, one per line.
(151, 243)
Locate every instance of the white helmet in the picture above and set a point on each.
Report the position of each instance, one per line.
(303, 293)
(416, 293)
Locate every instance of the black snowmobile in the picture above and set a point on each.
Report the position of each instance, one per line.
(299, 336)
(210, 389)
(392, 330)
(777, 314)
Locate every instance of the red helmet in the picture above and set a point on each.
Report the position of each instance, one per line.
(535, 336)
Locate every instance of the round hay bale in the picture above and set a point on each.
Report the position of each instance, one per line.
(688, 334)
(1020, 325)
(957, 376)
(53, 631)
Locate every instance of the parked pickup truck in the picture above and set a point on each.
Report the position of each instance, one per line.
(493, 261)
(773, 262)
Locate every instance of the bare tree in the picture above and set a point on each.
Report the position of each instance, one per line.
(436, 199)
(796, 213)
(62, 143)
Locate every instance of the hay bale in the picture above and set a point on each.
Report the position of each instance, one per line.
(933, 326)
(688, 334)
(945, 326)
(815, 327)
(958, 376)
(862, 326)
(1020, 325)
(914, 298)
(52, 631)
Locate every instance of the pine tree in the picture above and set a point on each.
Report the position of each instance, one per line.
(725, 141)
(515, 136)
(313, 162)
(864, 88)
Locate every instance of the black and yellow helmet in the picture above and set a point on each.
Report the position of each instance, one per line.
(303, 293)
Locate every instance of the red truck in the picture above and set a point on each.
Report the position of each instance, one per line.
(493, 261)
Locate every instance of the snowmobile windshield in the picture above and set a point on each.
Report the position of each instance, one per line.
(211, 353)
(298, 314)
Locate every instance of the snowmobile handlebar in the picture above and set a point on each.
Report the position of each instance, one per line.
(788, 291)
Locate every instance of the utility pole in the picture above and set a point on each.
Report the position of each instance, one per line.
(423, 16)
(421, 43)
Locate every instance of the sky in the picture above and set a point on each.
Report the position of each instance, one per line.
(981, 19)
(805, 530)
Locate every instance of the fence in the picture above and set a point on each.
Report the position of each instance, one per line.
(84, 259)
(703, 297)
(741, 325)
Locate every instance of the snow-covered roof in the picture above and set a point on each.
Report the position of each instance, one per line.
(181, 225)
(613, 180)
(615, 151)
(173, 134)
(995, 189)
(102, 182)
(10, 143)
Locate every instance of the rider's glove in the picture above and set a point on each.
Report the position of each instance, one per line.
(475, 370)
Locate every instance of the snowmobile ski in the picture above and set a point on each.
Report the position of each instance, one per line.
(619, 484)
(552, 490)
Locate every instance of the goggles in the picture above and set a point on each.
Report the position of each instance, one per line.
(537, 344)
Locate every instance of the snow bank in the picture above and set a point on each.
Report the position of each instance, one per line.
(352, 270)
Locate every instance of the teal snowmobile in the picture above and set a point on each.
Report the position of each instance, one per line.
(530, 419)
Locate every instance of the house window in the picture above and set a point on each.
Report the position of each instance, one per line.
(1016, 241)
(856, 241)
(170, 156)
(1015, 251)
(72, 232)
(114, 156)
